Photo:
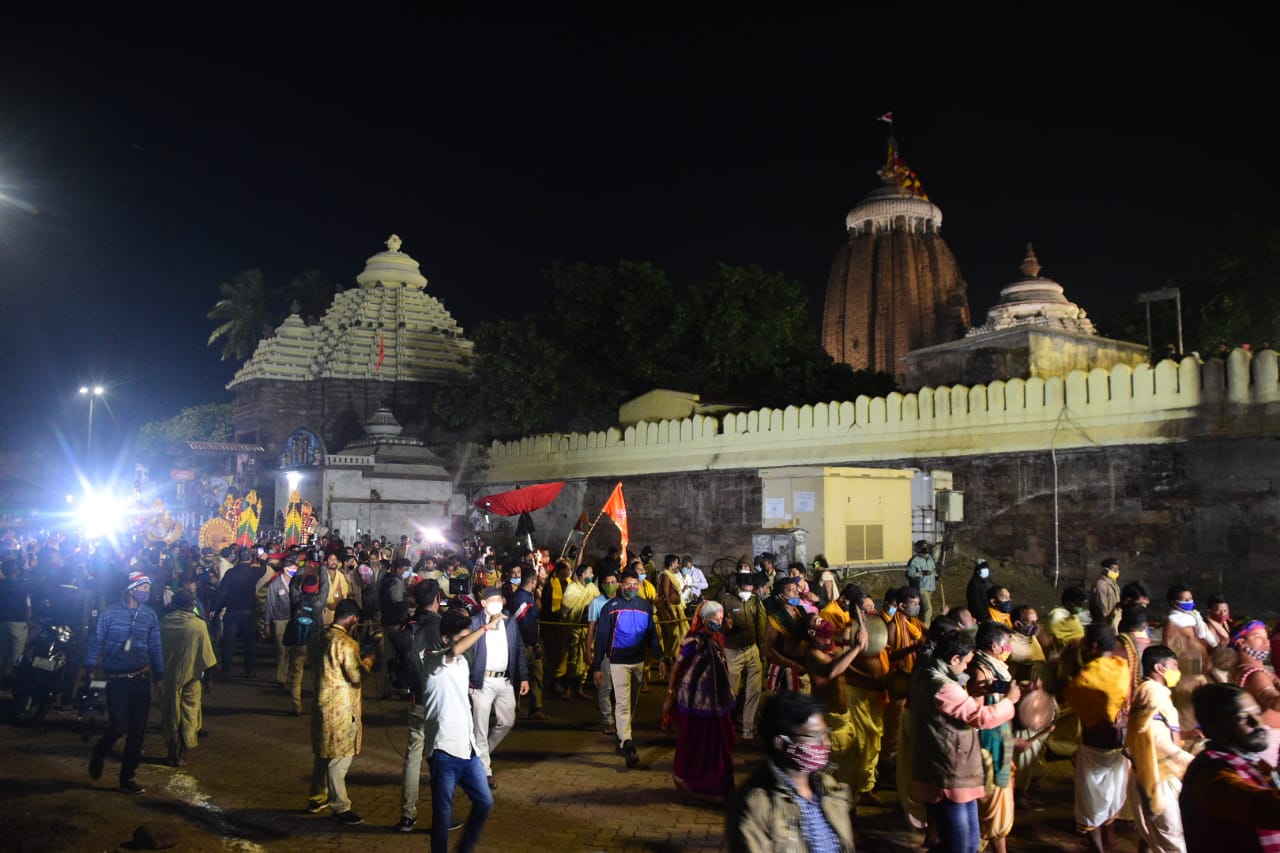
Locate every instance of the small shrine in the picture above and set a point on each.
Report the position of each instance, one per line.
(384, 481)
(1032, 330)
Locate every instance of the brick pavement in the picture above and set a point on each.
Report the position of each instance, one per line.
(561, 788)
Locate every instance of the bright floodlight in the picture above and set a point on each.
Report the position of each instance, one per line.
(101, 514)
(293, 478)
(97, 390)
(433, 534)
(84, 389)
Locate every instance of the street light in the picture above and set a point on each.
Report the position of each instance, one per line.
(93, 393)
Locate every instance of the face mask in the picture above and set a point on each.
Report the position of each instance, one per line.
(794, 602)
(1004, 606)
(1004, 653)
(745, 595)
(962, 679)
(1186, 606)
(824, 633)
(493, 608)
(809, 757)
(982, 573)
(1077, 610)
(587, 579)
(611, 589)
(1113, 573)
(1224, 618)
(1027, 629)
(290, 571)
(1172, 677)
(406, 573)
(630, 594)
(912, 610)
(714, 626)
(642, 576)
(685, 570)
(140, 595)
(891, 611)
(1259, 656)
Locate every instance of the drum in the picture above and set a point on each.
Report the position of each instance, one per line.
(877, 637)
(1035, 710)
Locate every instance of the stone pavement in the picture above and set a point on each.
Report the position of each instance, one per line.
(561, 788)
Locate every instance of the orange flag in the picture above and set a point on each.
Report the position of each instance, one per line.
(382, 352)
(616, 507)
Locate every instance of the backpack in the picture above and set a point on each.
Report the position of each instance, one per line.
(301, 627)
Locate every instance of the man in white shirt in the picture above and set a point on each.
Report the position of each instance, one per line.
(695, 582)
(497, 666)
(455, 761)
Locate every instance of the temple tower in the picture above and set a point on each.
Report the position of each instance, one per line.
(894, 286)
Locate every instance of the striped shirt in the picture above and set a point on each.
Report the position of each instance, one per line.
(119, 626)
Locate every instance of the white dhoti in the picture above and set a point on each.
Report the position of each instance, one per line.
(1102, 786)
(1162, 832)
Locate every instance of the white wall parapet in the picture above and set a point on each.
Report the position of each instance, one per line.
(1124, 405)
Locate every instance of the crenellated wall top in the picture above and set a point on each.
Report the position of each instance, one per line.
(1122, 405)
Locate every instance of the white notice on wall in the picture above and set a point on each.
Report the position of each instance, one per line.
(775, 507)
(804, 501)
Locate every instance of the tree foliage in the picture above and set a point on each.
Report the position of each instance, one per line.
(610, 333)
(208, 422)
(1231, 296)
(313, 291)
(241, 314)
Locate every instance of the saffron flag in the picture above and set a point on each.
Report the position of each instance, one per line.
(382, 352)
(887, 117)
(616, 508)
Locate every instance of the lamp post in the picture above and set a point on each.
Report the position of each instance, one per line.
(93, 393)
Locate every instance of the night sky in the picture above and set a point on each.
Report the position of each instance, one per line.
(161, 155)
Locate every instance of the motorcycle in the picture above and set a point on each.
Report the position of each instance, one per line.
(39, 674)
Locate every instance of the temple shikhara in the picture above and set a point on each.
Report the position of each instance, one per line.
(385, 342)
(894, 286)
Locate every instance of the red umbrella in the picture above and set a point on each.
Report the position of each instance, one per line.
(519, 501)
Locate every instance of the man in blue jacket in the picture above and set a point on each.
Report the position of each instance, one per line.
(498, 662)
(624, 629)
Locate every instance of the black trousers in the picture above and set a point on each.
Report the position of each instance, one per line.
(128, 705)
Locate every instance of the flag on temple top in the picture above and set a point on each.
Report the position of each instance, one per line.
(616, 508)
(382, 352)
(887, 117)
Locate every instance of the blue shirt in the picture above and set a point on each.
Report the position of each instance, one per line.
(119, 626)
(594, 608)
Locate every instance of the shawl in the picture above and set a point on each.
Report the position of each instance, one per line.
(1152, 719)
(1268, 839)
(702, 686)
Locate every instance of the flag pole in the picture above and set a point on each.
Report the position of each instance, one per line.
(585, 536)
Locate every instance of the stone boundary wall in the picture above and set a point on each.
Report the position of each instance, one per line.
(1171, 401)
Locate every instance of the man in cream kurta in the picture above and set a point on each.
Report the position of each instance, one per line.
(336, 729)
(188, 652)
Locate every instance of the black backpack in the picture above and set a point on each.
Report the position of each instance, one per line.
(301, 627)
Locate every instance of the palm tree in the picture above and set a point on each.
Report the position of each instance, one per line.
(313, 291)
(241, 312)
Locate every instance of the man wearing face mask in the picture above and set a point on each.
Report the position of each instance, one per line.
(125, 648)
(624, 632)
(1000, 606)
(826, 663)
(1230, 799)
(604, 693)
(1250, 672)
(744, 626)
(922, 575)
(1158, 761)
(276, 613)
(1104, 600)
(989, 680)
(946, 771)
(791, 793)
(497, 664)
(976, 594)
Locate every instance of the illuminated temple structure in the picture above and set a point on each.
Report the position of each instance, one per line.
(895, 286)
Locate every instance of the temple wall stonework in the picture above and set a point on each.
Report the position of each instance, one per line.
(1174, 469)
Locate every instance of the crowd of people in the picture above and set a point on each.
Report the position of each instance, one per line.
(1172, 723)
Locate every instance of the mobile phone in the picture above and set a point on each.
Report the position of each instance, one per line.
(1000, 686)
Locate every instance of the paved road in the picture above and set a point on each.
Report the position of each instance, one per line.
(561, 788)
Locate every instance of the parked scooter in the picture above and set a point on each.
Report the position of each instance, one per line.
(39, 674)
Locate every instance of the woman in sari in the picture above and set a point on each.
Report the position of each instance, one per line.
(700, 698)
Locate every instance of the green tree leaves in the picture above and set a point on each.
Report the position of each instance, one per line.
(610, 333)
(208, 422)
